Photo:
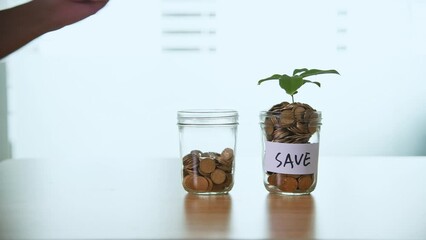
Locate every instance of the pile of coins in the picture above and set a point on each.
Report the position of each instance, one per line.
(291, 123)
(291, 183)
(208, 171)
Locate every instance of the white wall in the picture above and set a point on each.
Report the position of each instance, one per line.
(110, 86)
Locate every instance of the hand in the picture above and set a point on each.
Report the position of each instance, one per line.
(23, 23)
(65, 12)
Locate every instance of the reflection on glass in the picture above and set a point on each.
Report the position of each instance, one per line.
(207, 216)
(5, 149)
(291, 217)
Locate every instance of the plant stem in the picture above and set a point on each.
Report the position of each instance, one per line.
(292, 98)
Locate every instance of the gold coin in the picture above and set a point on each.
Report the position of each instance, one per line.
(218, 176)
(305, 182)
(207, 165)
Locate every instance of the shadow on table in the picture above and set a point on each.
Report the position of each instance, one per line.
(291, 217)
(207, 216)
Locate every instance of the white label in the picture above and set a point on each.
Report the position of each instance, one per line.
(291, 158)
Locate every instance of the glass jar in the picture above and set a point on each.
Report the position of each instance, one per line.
(290, 150)
(207, 150)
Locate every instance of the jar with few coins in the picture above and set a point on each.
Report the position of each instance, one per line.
(207, 140)
(290, 141)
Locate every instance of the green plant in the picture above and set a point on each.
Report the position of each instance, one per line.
(291, 84)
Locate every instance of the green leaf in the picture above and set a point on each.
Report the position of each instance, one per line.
(273, 77)
(316, 83)
(313, 72)
(291, 84)
(296, 71)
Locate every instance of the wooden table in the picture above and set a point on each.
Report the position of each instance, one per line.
(356, 198)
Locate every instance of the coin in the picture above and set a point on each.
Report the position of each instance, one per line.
(272, 179)
(200, 184)
(207, 165)
(191, 161)
(227, 154)
(211, 184)
(218, 176)
(187, 181)
(288, 184)
(208, 171)
(302, 127)
(226, 157)
(212, 155)
(305, 182)
(218, 187)
(299, 112)
(286, 118)
(278, 107)
(203, 173)
(229, 181)
(225, 168)
(269, 126)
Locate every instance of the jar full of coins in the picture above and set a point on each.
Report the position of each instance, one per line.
(290, 137)
(207, 140)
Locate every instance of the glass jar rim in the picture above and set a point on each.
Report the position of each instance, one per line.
(264, 114)
(207, 117)
(275, 113)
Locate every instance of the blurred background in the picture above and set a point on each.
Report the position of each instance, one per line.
(110, 86)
